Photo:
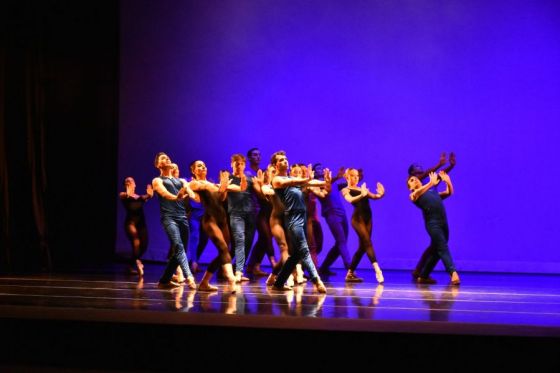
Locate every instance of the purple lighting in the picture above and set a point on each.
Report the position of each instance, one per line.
(376, 85)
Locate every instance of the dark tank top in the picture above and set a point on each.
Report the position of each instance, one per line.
(135, 207)
(172, 209)
(362, 209)
(432, 207)
(292, 198)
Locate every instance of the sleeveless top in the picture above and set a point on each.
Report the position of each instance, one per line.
(241, 202)
(134, 207)
(171, 209)
(362, 208)
(292, 198)
(432, 207)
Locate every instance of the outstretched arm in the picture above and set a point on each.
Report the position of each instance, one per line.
(380, 192)
(340, 174)
(441, 162)
(284, 182)
(452, 161)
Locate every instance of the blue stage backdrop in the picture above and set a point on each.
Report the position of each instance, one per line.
(371, 84)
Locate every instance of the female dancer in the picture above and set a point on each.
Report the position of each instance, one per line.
(214, 222)
(361, 222)
(264, 242)
(135, 223)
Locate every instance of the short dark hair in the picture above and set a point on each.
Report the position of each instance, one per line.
(412, 167)
(157, 158)
(250, 151)
(238, 157)
(191, 165)
(275, 155)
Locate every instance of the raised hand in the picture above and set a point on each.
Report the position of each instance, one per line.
(243, 184)
(443, 176)
(259, 179)
(150, 190)
(129, 190)
(327, 175)
(341, 172)
(364, 189)
(380, 189)
(310, 172)
(452, 159)
(224, 178)
(433, 178)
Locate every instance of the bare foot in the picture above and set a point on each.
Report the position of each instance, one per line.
(455, 279)
(139, 267)
(206, 287)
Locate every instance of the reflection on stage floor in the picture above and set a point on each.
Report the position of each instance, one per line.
(484, 304)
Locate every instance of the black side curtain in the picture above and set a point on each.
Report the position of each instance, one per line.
(58, 133)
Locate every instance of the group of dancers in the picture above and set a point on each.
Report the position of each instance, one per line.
(279, 203)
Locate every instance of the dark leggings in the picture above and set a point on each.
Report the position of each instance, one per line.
(439, 234)
(363, 228)
(314, 239)
(138, 236)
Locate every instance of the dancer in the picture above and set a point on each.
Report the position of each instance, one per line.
(361, 222)
(242, 210)
(416, 170)
(171, 193)
(198, 238)
(263, 245)
(287, 189)
(135, 222)
(214, 223)
(435, 219)
(314, 228)
(334, 213)
(276, 223)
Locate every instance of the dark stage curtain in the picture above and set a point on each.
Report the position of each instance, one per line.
(58, 134)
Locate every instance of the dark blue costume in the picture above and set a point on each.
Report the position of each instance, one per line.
(435, 220)
(242, 211)
(295, 223)
(176, 226)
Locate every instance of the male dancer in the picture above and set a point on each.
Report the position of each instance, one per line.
(171, 193)
(263, 245)
(242, 212)
(287, 188)
(334, 213)
(430, 202)
(416, 170)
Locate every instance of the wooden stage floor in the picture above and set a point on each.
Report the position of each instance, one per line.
(521, 306)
